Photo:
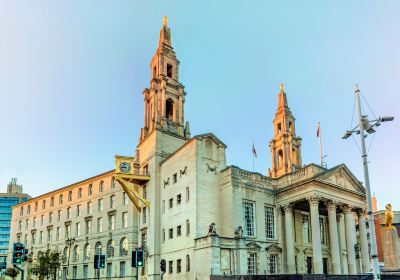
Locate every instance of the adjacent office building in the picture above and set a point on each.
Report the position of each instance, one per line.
(13, 196)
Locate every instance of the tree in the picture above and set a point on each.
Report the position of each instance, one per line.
(47, 264)
(12, 272)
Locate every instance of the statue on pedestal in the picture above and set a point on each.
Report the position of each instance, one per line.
(389, 217)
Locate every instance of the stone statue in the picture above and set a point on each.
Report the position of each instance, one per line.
(165, 20)
(389, 217)
(212, 230)
(239, 232)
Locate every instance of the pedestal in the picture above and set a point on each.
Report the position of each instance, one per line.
(391, 249)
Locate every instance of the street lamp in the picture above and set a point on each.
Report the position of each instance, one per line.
(70, 242)
(369, 127)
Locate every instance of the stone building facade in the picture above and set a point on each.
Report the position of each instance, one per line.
(208, 218)
(94, 213)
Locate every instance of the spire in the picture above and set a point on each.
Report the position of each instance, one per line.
(165, 33)
(282, 102)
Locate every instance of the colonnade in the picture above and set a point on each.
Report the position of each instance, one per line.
(342, 236)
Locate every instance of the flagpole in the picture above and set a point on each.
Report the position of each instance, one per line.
(253, 156)
(320, 145)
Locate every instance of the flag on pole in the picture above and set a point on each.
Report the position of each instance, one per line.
(254, 151)
(318, 131)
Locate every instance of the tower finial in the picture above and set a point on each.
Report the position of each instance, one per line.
(165, 21)
(281, 87)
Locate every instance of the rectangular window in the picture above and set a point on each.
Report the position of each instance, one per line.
(169, 70)
(33, 237)
(34, 222)
(49, 235)
(58, 234)
(125, 219)
(122, 269)
(74, 272)
(89, 207)
(85, 271)
(248, 216)
(21, 211)
(67, 231)
(42, 220)
(272, 264)
(171, 233)
(100, 205)
(59, 215)
(178, 266)
(26, 239)
(178, 199)
(20, 225)
(41, 237)
(251, 264)
(144, 214)
(269, 222)
(178, 230)
(170, 267)
(125, 198)
(88, 226)
(78, 229)
(323, 230)
(109, 269)
(111, 222)
(68, 212)
(26, 223)
(112, 201)
(78, 210)
(99, 224)
(174, 178)
(306, 229)
(171, 203)
(50, 217)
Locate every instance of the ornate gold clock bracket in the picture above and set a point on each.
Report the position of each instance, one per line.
(130, 179)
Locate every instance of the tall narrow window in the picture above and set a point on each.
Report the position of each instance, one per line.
(124, 198)
(169, 70)
(86, 252)
(323, 230)
(125, 219)
(123, 247)
(269, 222)
(60, 199)
(306, 229)
(187, 263)
(98, 248)
(110, 249)
(70, 196)
(169, 109)
(187, 194)
(251, 264)
(112, 201)
(280, 159)
(272, 259)
(90, 189)
(101, 186)
(80, 193)
(187, 227)
(248, 216)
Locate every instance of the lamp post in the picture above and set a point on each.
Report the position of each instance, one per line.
(368, 126)
(70, 242)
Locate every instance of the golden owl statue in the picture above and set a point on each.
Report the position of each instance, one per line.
(389, 217)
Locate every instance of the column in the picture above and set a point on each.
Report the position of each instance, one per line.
(291, 263)
(333, 237)
(315, 234)
(342, 243)
(363, 241)
(350, 239)
(281, 241)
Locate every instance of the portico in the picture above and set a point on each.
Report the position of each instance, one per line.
(320, 220)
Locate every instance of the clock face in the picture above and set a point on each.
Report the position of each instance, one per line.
(125, 167)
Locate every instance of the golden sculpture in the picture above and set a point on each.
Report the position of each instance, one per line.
(165, 21)
(389, 217)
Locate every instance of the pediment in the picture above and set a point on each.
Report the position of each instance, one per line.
(253, 245)
(273, 248)
(343, 177)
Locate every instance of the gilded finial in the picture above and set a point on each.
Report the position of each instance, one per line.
(281, 87)
(165, 21)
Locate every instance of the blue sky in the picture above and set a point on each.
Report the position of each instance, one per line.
(72, 74)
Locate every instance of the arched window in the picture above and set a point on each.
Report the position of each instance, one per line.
(52, 201)
(280, 159)
(75, 254)
(113, 182)
(169, 109)
(163, 235)
(294, 157)
(70, 196)
(90, 189)
(187, 227)
(98, 248)
(123, 247)
(80, 193)
(101, 186)
(291, 127)
(60, 199)
(86, 251)
(187, 194)
(187, 263)
(208, 147)
(110, 249)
